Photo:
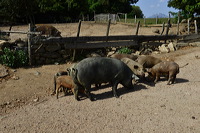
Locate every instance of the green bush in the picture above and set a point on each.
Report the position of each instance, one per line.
(125, 50)
(14, 58)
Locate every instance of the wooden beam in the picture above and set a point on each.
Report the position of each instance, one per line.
(140, 38)
(21, 32)
(100, 45)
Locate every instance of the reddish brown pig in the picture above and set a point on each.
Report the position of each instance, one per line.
(169, 68)
(120, 56)
(148, 61)
(65, 81)
(134, 66)
(48, 30)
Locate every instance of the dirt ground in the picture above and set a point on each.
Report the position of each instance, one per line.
(27, 106)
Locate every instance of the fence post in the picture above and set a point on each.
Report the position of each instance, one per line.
(188, 21)
(135, 18)
(195, 25)
(163, 28)
(108, 29)
(29, 44)
(138, 25)
(168, 25)
(78, 33)
(125, 17)
(144, 20)
(178, 23)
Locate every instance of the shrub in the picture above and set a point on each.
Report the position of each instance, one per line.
(124, 50)
(14, 58)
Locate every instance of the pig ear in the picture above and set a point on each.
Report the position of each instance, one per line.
(135, 67)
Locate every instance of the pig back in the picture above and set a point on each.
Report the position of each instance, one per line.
(101, 69)
(148, 61)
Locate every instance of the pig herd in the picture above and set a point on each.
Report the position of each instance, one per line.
(125, 69)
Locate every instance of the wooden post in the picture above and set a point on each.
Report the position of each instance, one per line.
(135, 19)
(178, 23)
(29, 44)
(195, 25)
(138, 25)
(168, 25)
(144, 20)
(188, 21)
(108, 29)
(167, 31)
(125, 17)
(78, 33)
(163, 28)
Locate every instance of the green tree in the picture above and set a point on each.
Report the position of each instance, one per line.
(187, 7)
(136, 11)
(14, 10)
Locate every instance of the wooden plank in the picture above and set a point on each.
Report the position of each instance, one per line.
(21, 32)
(140, 38)
(99, 45)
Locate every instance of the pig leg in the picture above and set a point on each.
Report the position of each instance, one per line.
(87, 92)
(114, 89)
(57, 90)
(173, 79)
(170, 79)
(157, 77)
(76, 93)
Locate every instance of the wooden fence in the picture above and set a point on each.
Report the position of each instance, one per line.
(88, 42)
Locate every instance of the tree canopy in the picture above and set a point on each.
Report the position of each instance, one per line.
(188, 7)
(59, 10)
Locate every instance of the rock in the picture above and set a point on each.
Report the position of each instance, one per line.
(36, 73)
(3, 71)
(36, 100)
(163, 49)
(15, 77)
(53, 47)
(171, 47)
(110, 53)
(195, 44)
(137, 53)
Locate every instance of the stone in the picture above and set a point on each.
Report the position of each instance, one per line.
(171, 47)
(53, 47)
(163, 49)
(110, 53)
(195, 44)
(3, 71)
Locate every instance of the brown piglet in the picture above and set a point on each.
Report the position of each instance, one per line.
(169, 68)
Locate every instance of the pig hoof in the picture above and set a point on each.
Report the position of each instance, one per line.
(78, 99)
(116, 96)
(92, 99)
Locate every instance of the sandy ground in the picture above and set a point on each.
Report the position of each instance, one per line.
(27, 106)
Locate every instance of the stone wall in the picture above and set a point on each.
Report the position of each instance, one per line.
(49, 53)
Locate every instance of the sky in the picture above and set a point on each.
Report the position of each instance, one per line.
(151, 7)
